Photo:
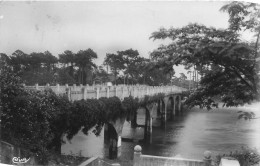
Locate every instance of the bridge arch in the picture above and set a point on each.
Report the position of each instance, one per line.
(148, 125)
(111, 137)
(164, 111)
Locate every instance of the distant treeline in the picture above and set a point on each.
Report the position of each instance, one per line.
(124, 67)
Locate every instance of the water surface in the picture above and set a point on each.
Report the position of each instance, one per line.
(188, 136)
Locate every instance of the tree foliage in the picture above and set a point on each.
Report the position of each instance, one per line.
(35, 67)
(132, 62)
(83, 59)
(135, 69)
(100, 76)
(27, 117)
(227, 65)
(127, 67)
(243, 16)
(43, 67)
(115, 62)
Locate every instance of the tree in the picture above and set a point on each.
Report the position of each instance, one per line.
(115, 62)
(24, 116)
(137, 69)
(245, 17)
(226, 63)
(49, 61)
(35, 67)
(67, 58)
(154, 75)
(189, 72)
(100, 75)
(131, 61)
(4, 59)
(183, 76)
(19, 61)
(36, 61)
(83, 59)
(37, 121)
(63, 77)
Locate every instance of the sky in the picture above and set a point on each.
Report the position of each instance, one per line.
(105, 27)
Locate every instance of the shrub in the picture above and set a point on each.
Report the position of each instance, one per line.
(246, 157)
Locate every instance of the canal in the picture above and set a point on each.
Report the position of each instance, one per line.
(188, 136)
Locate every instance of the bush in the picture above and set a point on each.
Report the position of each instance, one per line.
(246, 157)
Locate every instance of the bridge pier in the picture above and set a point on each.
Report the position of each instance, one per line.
(112, 136)
(148, 130)
(180, 105)
(177, 105)
(170, 108)
(163, 110)
(147, 127)
(158, 108)
(162, 113)
(165, 100)
(173, 108)
(119, 146)
(106, 133)
(151, 130)
(134, 120)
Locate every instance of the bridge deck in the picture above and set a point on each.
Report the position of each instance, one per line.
(89, 92)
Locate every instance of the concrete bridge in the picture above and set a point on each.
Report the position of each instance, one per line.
(163, 109)
(121, 91)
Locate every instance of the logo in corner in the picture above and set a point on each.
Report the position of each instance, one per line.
(17, 160)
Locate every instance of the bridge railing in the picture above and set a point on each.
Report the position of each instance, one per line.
(89, 92)
(141, 160)
(95, 161)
